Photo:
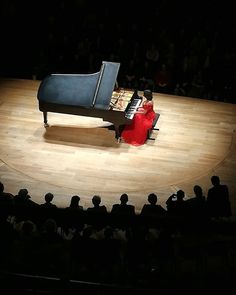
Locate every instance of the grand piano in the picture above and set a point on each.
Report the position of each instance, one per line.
(91, 95)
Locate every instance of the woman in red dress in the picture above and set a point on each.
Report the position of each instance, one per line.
(136, 132)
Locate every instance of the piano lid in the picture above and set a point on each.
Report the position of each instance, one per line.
(86, 90)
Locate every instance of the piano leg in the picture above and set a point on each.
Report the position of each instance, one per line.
(45, 119)
(118, 131)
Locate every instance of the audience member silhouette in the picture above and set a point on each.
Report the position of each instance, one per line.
(122, 214)
(49, 231)
(48, 209)
(6, 201)
(23, 198)
(74, 203)
(109, 259)
(73, 215)
(100, 259)
(196, 206)
(123, 208)
(97, 208)
(106, 256)
(153, 209)
(4, 195)
(164, 252)
(176, 204)
(162, 79)
(130, 78)
(48, 201)
(8, 237)
(97, 214)
(51, 249)
(26, 243)
(84, 254)
(137, 252)
(218, 202)
(23, 205)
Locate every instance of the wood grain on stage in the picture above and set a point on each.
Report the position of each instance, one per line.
(197, 139)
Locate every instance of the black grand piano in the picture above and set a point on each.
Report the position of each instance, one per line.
(88, 95)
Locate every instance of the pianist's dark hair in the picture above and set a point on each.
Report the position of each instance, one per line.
(148, 94)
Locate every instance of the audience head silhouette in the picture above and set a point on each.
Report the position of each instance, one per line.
(23, 193)
(152, 198)
(124, 198)
(215, 180)
(48, 197)
(74, 201)
(180, 195)
(28, 227)
(50, 225)
(96, 200)
(197, 190)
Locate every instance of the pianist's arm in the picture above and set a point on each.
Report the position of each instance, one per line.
(140, 109)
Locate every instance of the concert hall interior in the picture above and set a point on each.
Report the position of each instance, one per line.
(70, 80)
(196, 139)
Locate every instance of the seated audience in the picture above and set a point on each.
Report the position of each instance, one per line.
(196, 206)
(6, 201)
(74, 203)
(97, 214)
(153, 209)
(97, 208)
(123, 208)
(48, 201)
(176, 204)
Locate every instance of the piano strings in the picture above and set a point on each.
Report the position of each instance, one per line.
(123, 100)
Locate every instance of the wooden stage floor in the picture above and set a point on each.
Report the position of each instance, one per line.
(197, 139)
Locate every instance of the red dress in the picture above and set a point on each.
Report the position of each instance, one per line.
(136, 132)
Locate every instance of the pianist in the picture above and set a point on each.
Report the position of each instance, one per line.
(136, 133)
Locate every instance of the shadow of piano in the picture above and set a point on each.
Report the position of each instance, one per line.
(84, 95)
(76, 136)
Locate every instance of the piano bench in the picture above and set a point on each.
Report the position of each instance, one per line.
(153, 128)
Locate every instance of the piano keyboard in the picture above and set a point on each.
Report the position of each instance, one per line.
(132, 108)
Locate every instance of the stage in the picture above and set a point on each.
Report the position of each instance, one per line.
(196, 139)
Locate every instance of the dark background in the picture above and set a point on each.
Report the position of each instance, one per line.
(41, 37)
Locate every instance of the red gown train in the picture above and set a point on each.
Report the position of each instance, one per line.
(136, 132)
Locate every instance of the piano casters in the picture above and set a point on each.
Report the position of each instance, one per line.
(118, 131)
(45, 119)
(119, 140)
